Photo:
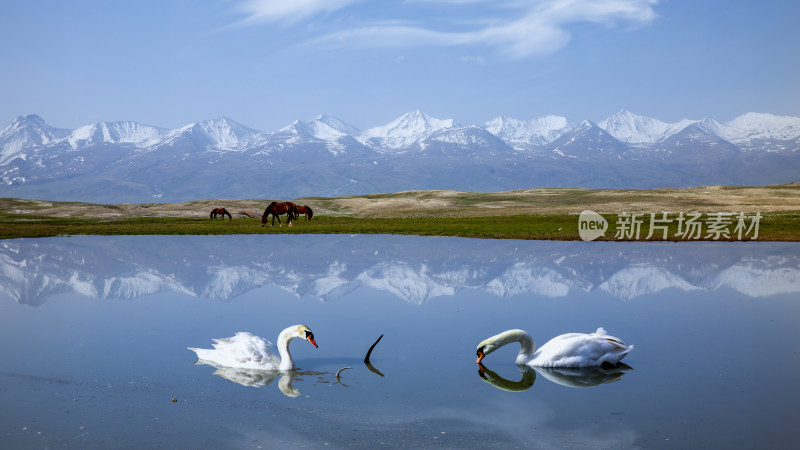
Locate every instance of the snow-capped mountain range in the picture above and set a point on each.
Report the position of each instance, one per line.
(415, 269)
(132, 162)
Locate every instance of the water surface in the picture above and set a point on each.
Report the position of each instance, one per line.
(96, 331)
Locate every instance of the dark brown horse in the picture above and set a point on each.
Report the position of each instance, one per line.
(278, 208)
(305, 209)
(220, 212)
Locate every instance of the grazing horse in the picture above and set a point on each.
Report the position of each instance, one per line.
(305, 209)
(221, 212)
(278, 208)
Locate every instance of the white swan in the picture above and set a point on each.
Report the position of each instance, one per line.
(247, 351)
(567, 350)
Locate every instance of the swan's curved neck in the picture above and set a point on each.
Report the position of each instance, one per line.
(283, 349)
(525, 341)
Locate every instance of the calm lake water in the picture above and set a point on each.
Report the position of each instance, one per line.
(96, 330)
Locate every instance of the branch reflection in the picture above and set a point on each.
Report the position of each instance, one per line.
(373, 369)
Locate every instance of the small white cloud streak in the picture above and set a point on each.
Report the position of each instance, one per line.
(472, 59)
(290, 11)
(526, 28)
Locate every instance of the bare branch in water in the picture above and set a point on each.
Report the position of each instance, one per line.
(369, 352)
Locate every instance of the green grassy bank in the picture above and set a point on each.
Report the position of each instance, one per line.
(773, 226)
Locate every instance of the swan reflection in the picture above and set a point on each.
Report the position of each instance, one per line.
(570, 377)
(491, 377)
(256, 377)
(580, 377)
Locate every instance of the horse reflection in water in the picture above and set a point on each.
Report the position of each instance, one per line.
(276, 209)
(257, 378)
(565, 376)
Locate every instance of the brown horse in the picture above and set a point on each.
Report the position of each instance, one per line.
(278, 208)
(221, 212)
(305, 209)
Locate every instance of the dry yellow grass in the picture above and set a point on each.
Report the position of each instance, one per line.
(778, 198)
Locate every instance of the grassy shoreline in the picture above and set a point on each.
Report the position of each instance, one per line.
(772, 227)
(543, 214)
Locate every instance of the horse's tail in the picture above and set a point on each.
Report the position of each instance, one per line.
(211, 214)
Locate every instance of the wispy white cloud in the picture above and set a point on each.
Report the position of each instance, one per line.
(287, 11)
(472, 59)
(514, 28)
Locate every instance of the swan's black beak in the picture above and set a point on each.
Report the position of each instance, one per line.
(481, 355)
(310, 338)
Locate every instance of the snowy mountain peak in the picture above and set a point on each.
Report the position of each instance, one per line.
(538, 131)
(405, 130)
(116, 133)
(762, 126)
(711, 126)
(337, 124)
(551, 123)
(506, 127)
(418, 122)
(23, 121)
(27, 132)
(34, 125)
(328, 127)
(634, 129)
(296, 127)
(222, 133)
(225, 126)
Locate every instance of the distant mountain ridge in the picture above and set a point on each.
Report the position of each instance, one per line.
(132, 162)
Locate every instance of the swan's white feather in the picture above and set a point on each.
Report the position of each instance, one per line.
(579, 350)
(247, 351)
(244, 350)
(566, 350)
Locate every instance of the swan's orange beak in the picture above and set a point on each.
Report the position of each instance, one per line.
(481, 355)
(311, 339)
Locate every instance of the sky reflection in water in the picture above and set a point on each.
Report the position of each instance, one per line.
(100, 327)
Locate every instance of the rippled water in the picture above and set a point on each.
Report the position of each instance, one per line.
(96, 330)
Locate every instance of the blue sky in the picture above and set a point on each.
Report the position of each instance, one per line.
(266, 63)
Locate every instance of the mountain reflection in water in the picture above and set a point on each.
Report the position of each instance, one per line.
(415, 269)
